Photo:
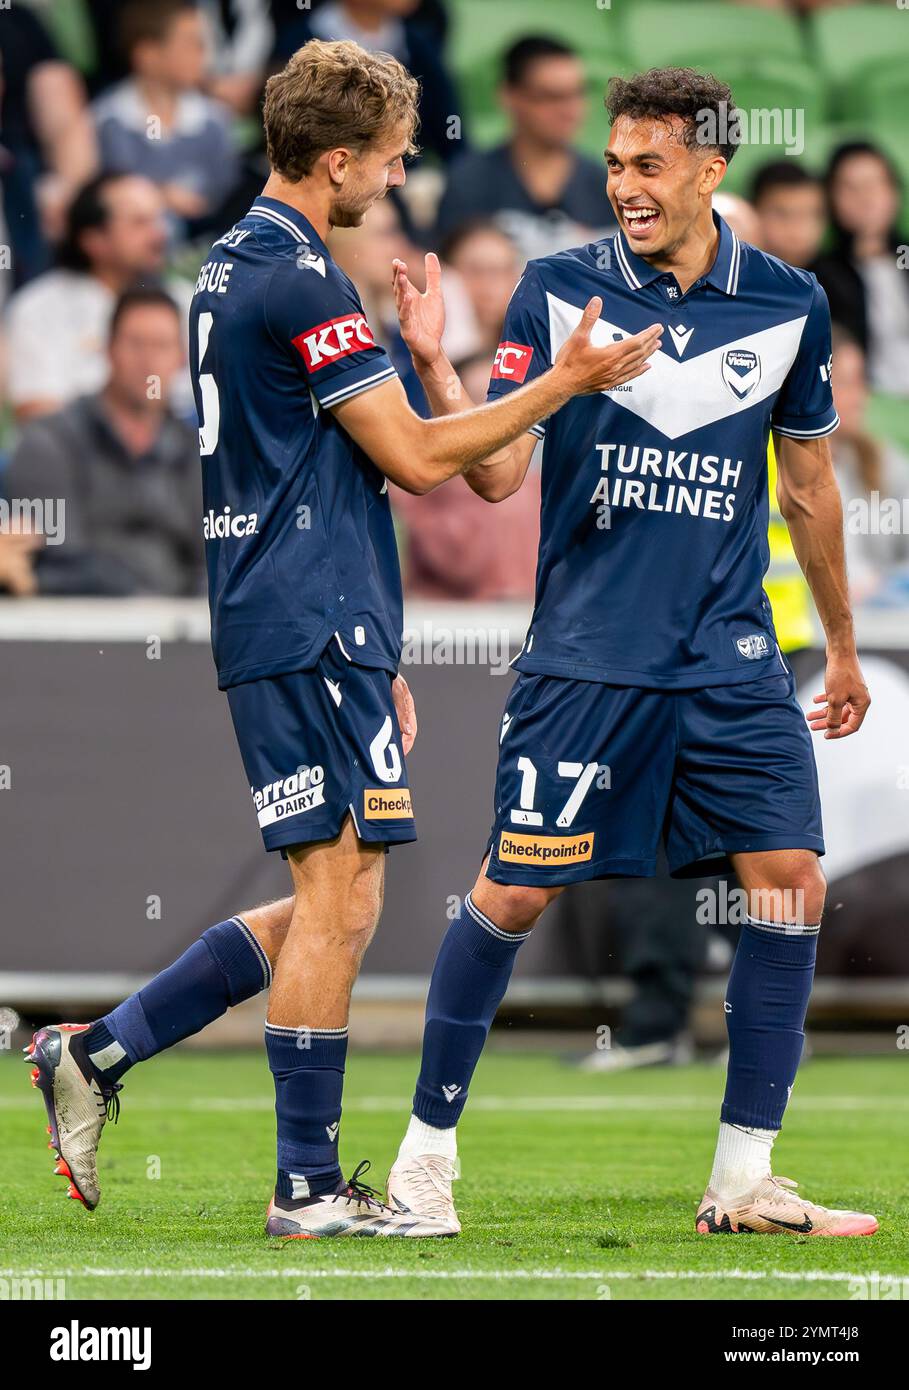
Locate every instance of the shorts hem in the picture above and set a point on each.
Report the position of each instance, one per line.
(577, 873)
(714, 858)
(323, 834)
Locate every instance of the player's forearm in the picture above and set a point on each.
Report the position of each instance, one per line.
(455, 443)
(814, 515)
(493, 478)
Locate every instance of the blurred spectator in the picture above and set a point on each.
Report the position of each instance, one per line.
(740, 215)
(487, 265)
(391, 26)
(125, 469)
(790, 205)
(537, 187)
(456, 546)
(47, 137)
(58, 325)
(157, 122)
(366, 253)
(867, 289)
(241, 35)
(871, 472)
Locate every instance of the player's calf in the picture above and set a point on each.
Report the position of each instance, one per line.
(79, 1068)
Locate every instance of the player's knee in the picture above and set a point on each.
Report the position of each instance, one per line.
(799, 897)
(811, 891)
(519, 905)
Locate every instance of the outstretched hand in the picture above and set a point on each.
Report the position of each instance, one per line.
(594, 368)
(421, 316)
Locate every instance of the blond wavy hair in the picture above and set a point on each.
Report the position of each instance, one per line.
(334, 94)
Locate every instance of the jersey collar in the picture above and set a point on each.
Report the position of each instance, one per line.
(723, 274)
(293, 221)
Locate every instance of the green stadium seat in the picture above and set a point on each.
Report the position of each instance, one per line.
(879, 92)
(685, 34)
(849, 40)
(481, 32)
(888, 418)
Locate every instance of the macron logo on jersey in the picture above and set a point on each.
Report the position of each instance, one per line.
(511, 361)
(333, 339)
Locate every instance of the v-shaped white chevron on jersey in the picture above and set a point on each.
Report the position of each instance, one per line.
(677, 397)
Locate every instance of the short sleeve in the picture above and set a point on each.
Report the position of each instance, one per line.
(316, 315)
(524, 352)
(804, 407)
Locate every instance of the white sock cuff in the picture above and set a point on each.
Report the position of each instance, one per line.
(784, 928)
(422, 1138)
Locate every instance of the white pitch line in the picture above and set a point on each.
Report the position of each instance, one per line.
(603, 1275)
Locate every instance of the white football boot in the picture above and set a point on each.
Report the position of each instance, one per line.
(78, 1105)
(773, 1207)
(354, 1210)
(421, 1185)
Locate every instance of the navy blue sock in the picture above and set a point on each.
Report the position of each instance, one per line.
(469, 981)
(766, 1004)
(224, 967)
(308, 1067)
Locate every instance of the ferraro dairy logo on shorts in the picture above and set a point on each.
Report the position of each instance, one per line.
(291, 796)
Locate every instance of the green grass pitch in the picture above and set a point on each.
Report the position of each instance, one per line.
(574, 1187)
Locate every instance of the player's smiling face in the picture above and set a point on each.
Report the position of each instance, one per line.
(368, 176)
(657, 186)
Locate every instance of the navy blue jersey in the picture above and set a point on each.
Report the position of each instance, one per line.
(298, 531)
(654, 510)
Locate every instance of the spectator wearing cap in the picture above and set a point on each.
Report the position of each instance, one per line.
(122, 470)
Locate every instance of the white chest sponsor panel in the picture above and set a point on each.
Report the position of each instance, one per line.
(677, 397)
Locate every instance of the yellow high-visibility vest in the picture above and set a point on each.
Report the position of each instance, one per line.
(784, 583)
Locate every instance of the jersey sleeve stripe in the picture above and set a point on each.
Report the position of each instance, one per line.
(366, 384)
(808, 434)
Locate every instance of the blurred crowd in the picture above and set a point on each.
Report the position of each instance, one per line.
(130, 137)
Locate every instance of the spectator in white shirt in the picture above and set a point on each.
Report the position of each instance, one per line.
(57, 325)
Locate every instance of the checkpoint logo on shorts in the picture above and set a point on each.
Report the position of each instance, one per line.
(387, 805)
(291, 796)
(544, 851)
(333, 339)
(511, 361)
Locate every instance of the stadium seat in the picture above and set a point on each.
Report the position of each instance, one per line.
(701, 34)
(879, 92)
(481, 32)
(854, 39)
(888, 418)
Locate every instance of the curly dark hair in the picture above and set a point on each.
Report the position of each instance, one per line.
(703, 102)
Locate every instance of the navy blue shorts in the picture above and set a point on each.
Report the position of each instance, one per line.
(590, 776)
(318, 745)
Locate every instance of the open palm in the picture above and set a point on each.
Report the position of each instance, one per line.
(421, 316)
